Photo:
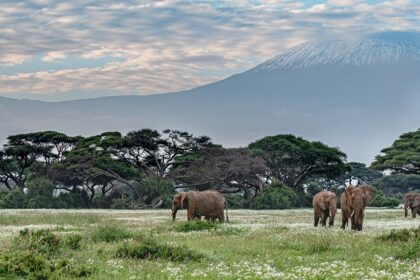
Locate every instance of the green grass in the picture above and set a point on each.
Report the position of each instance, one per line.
(105, 244)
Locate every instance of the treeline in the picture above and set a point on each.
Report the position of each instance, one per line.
(144, 168)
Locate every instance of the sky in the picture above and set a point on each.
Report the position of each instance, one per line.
(58, 50)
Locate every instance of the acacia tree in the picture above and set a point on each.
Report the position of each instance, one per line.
(15, 161)
(53, 144)
(402, 157)
(154, 153)
(292, 160)
(93, 165)
(227, 170)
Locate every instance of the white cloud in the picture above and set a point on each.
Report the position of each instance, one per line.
(55, 55)
(171, 45)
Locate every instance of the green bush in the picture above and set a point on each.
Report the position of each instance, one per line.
(195, 226)
(150, 249)
(382, 201)
(236, 201)
(276, 196)
(41, 241)
(13, 199)
(110, 233)
(39, 255)
(79, 199)
(402, 235)
(73, 241)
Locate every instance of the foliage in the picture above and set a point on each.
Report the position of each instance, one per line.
(13, 199)
(276, 196)
(226, 170)
(235, 201)
(149, 249)
(154, 189)
(292, 160)
(110, 233)
(36, 255)
(153, 153)
(398, 184)
(380, 200)
(196, 225)
(403, 156)
(402, 235)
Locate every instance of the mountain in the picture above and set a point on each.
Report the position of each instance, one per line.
(359, 95)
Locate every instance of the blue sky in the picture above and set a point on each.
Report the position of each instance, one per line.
(64, 49)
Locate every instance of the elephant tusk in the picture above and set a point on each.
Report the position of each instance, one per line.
(352, 213)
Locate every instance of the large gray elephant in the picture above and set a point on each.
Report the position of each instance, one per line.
(412, 201)
(325, 206)
(353, 203)
(209, 204)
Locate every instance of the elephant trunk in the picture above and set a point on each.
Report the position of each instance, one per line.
(332, 212)
(174, 214)
(405, 209)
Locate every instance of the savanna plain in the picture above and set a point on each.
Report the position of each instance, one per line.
(147, 244)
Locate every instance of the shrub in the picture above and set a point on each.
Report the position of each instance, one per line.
(276, 196)
(73, 241)
(149, 249)
(41, 241)
(236, 201)
(14, 199)
(110, 234)
(35, 255)
(195, 226)
(402, 235)
(382, 201)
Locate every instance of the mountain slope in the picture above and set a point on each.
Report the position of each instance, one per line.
(357, 95)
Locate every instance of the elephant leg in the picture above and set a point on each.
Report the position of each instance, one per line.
(221, 219)
(323, 219)
(316, 219)
(191, 215)
(413, 212)
(353, 222)
(344, 219)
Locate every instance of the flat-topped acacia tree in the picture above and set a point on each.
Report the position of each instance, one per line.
(292, 159)
(403, 156)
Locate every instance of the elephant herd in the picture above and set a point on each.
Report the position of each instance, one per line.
(353, 203)
(210, 204)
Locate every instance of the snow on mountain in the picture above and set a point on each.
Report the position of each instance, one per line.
(363, 52)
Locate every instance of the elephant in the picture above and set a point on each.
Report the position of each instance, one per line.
(325, 205)
(209, 203)
(412, 201)
(353, 203)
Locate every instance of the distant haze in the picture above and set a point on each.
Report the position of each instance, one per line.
(358, 95)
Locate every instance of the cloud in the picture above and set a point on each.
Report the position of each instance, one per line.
(55, 55)
(170, 45)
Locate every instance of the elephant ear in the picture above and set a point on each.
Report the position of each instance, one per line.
(368, 193)
(184, 199)
(416, 201)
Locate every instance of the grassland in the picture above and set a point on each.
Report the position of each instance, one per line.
(283, 244)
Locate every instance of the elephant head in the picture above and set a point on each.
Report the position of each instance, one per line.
(354, 200)
(330, 203)
(180, 201)
(411, 200)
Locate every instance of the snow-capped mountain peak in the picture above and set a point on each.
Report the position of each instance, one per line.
(368, 51)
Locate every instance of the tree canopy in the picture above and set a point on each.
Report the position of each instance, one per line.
(403, 156)
(292, 160)
(228, 170)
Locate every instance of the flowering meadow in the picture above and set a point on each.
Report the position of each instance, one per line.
(146, 244)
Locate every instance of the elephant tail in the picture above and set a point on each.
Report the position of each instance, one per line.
(226, 207)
